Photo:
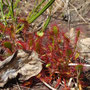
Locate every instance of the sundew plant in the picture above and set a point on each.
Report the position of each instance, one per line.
(52, 45)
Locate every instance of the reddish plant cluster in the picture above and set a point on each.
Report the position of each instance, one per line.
(53, 47)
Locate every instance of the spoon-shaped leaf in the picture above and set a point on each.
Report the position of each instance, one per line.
(7, 45)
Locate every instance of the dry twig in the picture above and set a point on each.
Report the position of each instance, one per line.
(78, 13)
(48, 85)
(75, 64)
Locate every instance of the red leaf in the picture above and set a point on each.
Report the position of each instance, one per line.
(58, 82)
(22, 44)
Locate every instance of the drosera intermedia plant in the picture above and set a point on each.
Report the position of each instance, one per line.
(53, 47)
(56, 53)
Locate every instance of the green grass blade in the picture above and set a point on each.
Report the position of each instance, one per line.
(35, 10)
(2, 12)
(41, 11)
(16, 3)
(11, 9)
(46, 23)
(20, 29)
